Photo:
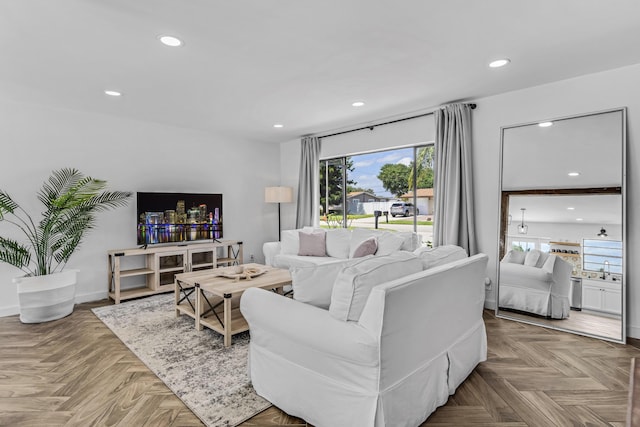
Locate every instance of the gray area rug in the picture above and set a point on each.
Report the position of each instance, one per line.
(210, 379)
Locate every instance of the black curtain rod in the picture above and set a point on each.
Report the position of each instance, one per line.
(370, 127)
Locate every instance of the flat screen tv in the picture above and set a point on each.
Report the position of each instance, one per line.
(178, 217)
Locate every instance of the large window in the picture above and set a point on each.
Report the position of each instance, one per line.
(602, 255)
(526, 244)
(390, 189)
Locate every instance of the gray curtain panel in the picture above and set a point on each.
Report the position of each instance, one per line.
(308, 185)
(454, 222)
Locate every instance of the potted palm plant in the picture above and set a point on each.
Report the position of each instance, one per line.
(46, 291)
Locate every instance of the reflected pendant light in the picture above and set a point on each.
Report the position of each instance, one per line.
(522, 228)
(602, 233)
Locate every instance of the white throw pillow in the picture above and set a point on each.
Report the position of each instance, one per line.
(312, 244)
(543, 258)
(338, 241)
(354, 283)
(289, 242)
(432, 257)
(531, 259)
(388, 243)
(411, 240)
(514, 257)
(313, 284)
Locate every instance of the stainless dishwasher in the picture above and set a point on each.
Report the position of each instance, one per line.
(576, 293)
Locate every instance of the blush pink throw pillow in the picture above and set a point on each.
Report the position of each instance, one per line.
(367, 247)
(312, 244)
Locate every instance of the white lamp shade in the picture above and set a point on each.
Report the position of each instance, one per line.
(278, 195)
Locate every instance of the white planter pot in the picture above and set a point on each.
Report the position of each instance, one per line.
(45, 298)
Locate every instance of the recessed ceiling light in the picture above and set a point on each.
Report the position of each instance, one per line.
(574, 174)
(170, 41)
(579, 219)
(358, 104)
(499, 63)
(570, 208)
(112, 93)
(278, 126)
(545, 124)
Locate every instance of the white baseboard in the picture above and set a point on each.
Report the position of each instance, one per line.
(90, 297)
(9, 311)
(633, 331)
(490, 304)
(94, 296)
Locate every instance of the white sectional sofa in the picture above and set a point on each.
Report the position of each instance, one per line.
(401, 332)
(340, 245)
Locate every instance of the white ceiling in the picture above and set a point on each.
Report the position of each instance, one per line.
(600, 209)
(246, 65)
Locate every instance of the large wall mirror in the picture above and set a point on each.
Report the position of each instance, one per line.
(561, 247)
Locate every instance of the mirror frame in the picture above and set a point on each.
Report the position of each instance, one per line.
(503, 219)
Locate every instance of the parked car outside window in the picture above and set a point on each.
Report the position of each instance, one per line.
(403, 209)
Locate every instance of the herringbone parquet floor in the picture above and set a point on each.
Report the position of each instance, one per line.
(75, 372)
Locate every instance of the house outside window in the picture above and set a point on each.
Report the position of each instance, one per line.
(368, 184)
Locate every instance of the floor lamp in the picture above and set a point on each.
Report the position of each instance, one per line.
(278, 195)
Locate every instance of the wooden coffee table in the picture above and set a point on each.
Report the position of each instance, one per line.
(213, 300)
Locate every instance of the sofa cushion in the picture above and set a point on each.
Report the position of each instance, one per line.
(410, 240)
(543, 258)
(388, 243)
(312, 244)
(367, 247)
(531, 258)
(313, 284)
(514, 257)
(338, 242)
(354, 283)
(288, 261)
(359, 235)
(432, 257)
(290, 241)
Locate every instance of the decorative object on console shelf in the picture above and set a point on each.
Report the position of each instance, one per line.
(71, 200)
(178, 217)
(278, 195)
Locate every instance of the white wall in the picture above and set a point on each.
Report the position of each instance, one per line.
(418, 131)
(131, 156)
(594, 92)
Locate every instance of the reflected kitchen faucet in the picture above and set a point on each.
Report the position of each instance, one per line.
(607, 269)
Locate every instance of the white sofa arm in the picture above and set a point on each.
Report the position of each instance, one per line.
(270, 250)
(277, 322)
(561, 278)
